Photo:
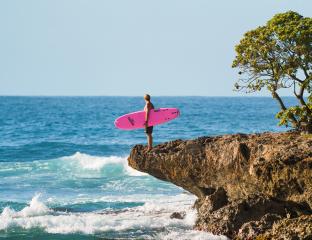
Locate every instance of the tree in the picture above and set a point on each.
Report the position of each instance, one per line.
(276, 56)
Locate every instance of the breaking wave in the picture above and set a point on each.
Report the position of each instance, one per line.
(78, 163)
(153, 215)
(97, 163)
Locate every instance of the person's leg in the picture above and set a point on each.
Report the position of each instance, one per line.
(149, 141)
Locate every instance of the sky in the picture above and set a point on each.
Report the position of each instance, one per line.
(129, 47)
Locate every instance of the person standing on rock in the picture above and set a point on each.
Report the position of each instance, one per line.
(148, 129)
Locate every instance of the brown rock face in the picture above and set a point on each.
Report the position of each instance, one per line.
(258, 211)
(277, 164)
(290, 228)
(232, 172)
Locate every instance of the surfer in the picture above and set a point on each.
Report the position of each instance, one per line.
(148, 129)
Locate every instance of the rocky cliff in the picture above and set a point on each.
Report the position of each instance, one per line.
(247, 185)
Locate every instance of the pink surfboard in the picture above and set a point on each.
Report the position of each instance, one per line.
(136, 120)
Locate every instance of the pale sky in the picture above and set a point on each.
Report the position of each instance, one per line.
(130, 47)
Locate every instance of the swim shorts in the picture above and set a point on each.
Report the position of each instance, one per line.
(149, 130)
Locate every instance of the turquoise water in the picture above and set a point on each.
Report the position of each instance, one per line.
(64, 173)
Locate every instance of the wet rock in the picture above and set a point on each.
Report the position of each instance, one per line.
(178, 215)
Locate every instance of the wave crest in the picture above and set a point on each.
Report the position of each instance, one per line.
(98, 163)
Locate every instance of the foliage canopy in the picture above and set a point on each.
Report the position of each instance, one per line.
(276, 56)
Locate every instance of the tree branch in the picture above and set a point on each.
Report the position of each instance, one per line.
(296, 79)
(283, 107)
(279, 100)
(305, 72)
(301, 99)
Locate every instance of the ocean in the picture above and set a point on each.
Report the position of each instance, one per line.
(64, 172)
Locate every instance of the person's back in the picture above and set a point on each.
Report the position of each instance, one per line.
(148, 129)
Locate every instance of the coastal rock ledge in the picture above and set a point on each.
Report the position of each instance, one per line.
(248, 185)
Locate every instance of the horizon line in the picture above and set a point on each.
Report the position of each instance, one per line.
(267, 96)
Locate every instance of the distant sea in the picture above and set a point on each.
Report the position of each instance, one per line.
(64, 172)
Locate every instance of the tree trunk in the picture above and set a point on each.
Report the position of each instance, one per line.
(293, 120)
(301, 100)
(305, 126)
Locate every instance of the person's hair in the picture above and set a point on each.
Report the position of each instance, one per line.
(147, 97)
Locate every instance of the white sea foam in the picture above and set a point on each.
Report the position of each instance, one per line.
(187, 235)
(78, 163)
(35, 208)
(97, 163)
(183, 199)
(153, 214)
(132, 172)
(93, 162)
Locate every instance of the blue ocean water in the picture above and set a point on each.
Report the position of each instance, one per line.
(64, 173)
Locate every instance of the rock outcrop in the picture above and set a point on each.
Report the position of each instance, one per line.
(245, 184)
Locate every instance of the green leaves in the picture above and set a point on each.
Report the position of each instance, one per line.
(300, 113)
(278, 55)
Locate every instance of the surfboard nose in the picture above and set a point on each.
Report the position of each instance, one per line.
(116, 123)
